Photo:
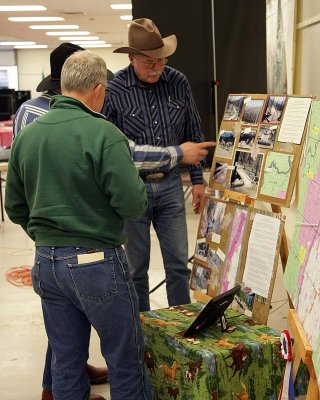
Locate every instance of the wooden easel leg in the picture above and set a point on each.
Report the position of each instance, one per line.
(284, 248)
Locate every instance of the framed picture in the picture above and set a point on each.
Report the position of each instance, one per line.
(220, 171)
(267, 136)
(252, 111)
(225, 144)
(200, 278)
(233, 108)
(211, 220)
(247, 138)
(201, 251)
(274, 110)
(246, 173)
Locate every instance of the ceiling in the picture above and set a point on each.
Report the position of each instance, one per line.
(95, 16)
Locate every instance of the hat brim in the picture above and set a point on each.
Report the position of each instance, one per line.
(48, 84)
(168, 48)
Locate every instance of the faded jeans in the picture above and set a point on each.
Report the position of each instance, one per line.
(166, 211)
(74, 297)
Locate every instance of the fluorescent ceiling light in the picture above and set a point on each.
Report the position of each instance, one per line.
(126, 17)
(75, 33)
(76, 38)
(90, 46)
(54, 26)
(34, 19)
(121, 6)
(36, 46)
(22, 8)
(16, 43)
(80, 42)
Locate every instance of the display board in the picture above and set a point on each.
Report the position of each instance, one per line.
(302, 274)
(237, 244)
(259, 146)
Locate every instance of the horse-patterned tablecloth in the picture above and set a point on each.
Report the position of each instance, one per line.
(244, 363)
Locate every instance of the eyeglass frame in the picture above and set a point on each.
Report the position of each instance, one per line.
(154, 63)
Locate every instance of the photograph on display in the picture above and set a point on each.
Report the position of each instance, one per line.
(247, 138)
(246, 173)
(225, 144)
(200, 278)
(244, 301)
(274, 110)
(211, 220)
(201, 251)
(216, 269)
(267, 136)
(220, 172)
(233, 108)
(252, 111)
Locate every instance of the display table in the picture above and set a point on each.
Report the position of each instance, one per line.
(242, 364)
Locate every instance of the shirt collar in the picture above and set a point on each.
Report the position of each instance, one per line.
(133, 80)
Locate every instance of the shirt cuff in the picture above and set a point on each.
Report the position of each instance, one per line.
(176, 155)
(196, 177)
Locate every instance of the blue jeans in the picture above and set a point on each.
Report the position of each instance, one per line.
(74, 297)
(166, 211)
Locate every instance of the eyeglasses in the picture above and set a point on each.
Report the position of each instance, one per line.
(160, 63)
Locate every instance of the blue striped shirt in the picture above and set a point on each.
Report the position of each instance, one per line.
(159, 114)
(146, 158)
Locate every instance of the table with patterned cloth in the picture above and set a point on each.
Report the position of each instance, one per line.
(244, 363)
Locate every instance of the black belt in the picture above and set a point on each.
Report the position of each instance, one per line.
(157, 176)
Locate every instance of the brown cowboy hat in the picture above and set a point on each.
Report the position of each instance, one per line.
(57, 58)
(144, 38)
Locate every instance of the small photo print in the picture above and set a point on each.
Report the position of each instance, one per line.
(246, 173)
(267, 136)
(201, 251)
(274, 110)
(233, 108)
(247, 138)
(225, 144)
(212, 219)
(200, 278)
(244, 301)
(214, 263)
(252, 112)
(220, 173)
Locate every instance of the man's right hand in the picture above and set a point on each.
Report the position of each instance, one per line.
(193, 153)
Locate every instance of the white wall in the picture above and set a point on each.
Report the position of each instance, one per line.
(33, 64)
(307, 77)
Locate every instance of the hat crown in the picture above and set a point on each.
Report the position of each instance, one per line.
(144, 35)
(59, 55)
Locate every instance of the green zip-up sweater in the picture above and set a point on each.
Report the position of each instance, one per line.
(71, 180)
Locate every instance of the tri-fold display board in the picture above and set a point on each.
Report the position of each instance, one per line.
(257, 157)
(259, 146)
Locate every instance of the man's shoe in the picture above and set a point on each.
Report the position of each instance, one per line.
(47, 395)
(97, 375)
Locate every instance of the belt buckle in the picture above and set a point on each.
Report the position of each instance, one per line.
(155, 177)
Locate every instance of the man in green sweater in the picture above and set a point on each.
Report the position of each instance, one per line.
(71, 183)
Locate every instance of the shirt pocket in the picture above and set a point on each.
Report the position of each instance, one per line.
(133, 122)
(176, 110)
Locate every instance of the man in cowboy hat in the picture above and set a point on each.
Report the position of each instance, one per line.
(153, 104)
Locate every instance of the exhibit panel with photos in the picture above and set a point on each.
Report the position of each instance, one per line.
(259, 146)
(234, 245)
